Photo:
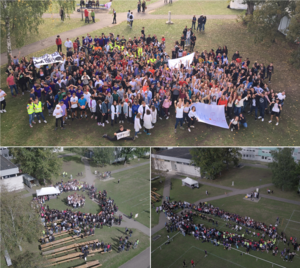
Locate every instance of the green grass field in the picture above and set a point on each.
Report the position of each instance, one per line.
(72, 165)
(184, 193)
(15, 130)
(125, 5)
(49, 27)
(193, 7)
(133, 192)
(282, 194)
(61, 203)
(244, 177)
(188, 248)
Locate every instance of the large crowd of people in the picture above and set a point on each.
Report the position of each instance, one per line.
(263, 236)
(113, 80)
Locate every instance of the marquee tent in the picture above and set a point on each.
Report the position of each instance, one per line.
(47, 191)
(190, 182)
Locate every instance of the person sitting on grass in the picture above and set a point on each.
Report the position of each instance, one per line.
(234, 123)
(114, 138)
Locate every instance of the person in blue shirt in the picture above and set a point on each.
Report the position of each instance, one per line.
(38, 91)
(82, 106)
(135, 108)
(79, 93)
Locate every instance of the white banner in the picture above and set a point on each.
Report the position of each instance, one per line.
(175, 63)
(47, 59)
(211, 114)
(123, 134)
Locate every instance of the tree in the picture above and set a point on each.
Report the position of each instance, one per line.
(212, 161)
(285, 171)
(103, 155)
(19, 222)
(127, 153)
(141, 151)
(18, 17)
(40, 163)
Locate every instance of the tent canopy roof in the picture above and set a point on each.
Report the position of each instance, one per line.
(47, 191)
(189, 181)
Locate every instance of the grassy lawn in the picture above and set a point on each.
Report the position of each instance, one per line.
(72, 165)
(188, 248)
(160, 189)
(253, 162)
(184, 193)
(16, 132)
(125, 5)
(205, 7)
(50, 27)
(118, 165)
(133, 192)
(282, 194)
(61, 203)
(243, 178)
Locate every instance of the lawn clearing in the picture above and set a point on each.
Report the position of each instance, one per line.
(62, 204)
(244, 177)
(72, 165)
(49, 27)
(118, 165)
(193, 7)
(133, 192)
(125, 5)
(292, 195)
(15, 130)
(184, 193)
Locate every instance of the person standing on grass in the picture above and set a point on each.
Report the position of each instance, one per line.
(114, 17)
(118, 181)
(184, 263)
(62, 14)
(93, 16)
(58, 43)
(86, 15)
(143, 6)
(131, 19)
(38, 110)
(147, 122)
(192, 263)
(194, 22)
(270, 71)
(30, 110)
(205, 253)
(58, 113)
(2, 101)
(10, 81)
(137, 125)
(275, 111)
(179, 115)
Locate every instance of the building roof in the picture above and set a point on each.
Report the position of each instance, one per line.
(183, 153)
(6, 164)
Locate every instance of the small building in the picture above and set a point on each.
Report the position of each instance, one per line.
(7, 168)
(177, 160)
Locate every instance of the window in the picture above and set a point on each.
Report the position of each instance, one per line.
(262, 157)
(167, 160)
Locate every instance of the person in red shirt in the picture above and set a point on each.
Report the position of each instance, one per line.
(75, 45)
(192, 263)
(10, 81)
(86, 14)
(182, 82)
(58, 43)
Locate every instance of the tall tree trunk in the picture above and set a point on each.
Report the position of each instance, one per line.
(8, 39)
(250, 8)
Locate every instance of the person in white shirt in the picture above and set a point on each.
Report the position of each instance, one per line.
(154, 114)
(179, 115)
(87, 95)
(58, 113)
(234, 123)
(143, 109)
(2, 101)
(276, 111)
(74, 105)
(137, 125)
(68, 44)
(92, 105)
(192, 117)
(131, 19)
(98, 82)
(281, 96)
(147, 122)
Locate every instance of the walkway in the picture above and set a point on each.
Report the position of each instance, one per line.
(233, 192)
(105, 21)
(142, 260)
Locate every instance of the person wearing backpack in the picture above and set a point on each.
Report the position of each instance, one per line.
(131, 19)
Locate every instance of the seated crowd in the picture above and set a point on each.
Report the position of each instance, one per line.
(114, 79)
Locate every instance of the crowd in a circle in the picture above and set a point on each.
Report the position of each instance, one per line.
(113, 80)
(245, 231)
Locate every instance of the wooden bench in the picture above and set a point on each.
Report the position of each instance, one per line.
(154, 189)
(154, 199)
(68, 248)
(65, 232)
(75, 258)
(90, 264)
(156, 194)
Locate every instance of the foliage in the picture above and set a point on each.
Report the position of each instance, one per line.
(141, 151)
(40, 163)
(103, 155)
(28, 259)
(127, 153)
(67, 5)
(212, 161)
(285, 171)
(19, 222)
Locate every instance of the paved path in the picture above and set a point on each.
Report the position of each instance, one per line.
(141, 261)
(65, 155)
(105, 21)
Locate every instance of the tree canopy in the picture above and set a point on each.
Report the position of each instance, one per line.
(285, 171)
(212, 161)
(41, 163)
(130, 152)
(103, 155)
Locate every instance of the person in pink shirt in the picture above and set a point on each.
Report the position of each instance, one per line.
(10, 81)
(166, 105)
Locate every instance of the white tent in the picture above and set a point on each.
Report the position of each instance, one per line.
(47, 191)
(238, 4)
(190, 182)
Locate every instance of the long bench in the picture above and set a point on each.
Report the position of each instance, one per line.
(58, 234)
(156, 194)
(70, 247)
(67, 260)
(90, 264)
